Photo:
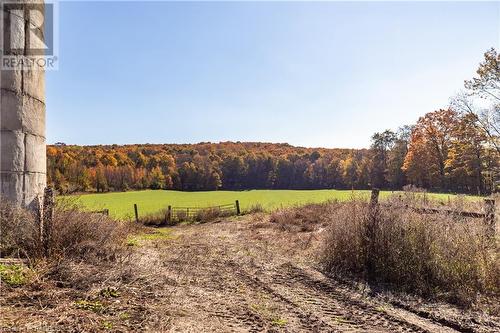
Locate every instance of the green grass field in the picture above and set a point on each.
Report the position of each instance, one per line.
(120, 204)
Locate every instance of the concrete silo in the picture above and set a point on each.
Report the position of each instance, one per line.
(22, 102)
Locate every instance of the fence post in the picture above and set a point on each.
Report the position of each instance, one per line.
(238, 212)
(371, 230)
(374, 197)
(39, 218)
(136, 213)
(168, 217)
(48, 215)
(489, 216)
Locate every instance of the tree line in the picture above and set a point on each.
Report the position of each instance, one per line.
(204, 166)
(453, 149)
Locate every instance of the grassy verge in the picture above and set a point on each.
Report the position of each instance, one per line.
(159, 234)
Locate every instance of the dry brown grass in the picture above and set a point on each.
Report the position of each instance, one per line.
(84, 255)
(304, 219)
(155, 219)
(434, 255)
(210, 214)
(18, 232)
(253, 209)
(74, 234)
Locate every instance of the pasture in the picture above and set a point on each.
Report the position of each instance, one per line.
(120, 204)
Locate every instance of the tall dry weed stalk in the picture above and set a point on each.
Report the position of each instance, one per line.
(435, 255)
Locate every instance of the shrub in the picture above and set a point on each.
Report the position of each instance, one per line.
(208, 214)
(181, 216)
(305, 218)
(433, 255)
(84, 235)
(155, 219)
(18, 232)
(73, 234)
(13, 275)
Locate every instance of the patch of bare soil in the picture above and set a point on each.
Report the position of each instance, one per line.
(244, 274)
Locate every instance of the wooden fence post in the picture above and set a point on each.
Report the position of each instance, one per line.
(238, 212)
(48, 216)
(371, 231)
(374, 197)
(489, 216)
(136, 213)
(39, 218)
(168, 216)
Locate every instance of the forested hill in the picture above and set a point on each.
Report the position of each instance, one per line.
(444, 151)
(204, 166)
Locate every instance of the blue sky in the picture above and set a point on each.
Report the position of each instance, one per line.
(325, 74)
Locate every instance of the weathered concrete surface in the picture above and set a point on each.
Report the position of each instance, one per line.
(22, 126)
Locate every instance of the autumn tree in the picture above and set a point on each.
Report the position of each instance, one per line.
(350, 170)
(428, 149)
(465, 156)
(380, 147)
(487, 83)
(101, 181)
(233, 171)
(482, 98)
(395, 176)
(157, 179)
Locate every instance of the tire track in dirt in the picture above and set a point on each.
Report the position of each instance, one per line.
(218, 296)
(468, 327)
(236, 290)
(232, 308)
(336, 303)
(307, 320)
(325, 314)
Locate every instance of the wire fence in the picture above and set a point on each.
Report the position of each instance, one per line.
(177, 214)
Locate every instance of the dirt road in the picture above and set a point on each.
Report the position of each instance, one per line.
(248, 275)
(237, 275)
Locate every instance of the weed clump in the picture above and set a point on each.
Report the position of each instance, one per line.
(13, 275)
(441, 255)
(109, 293)
(94, 306)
